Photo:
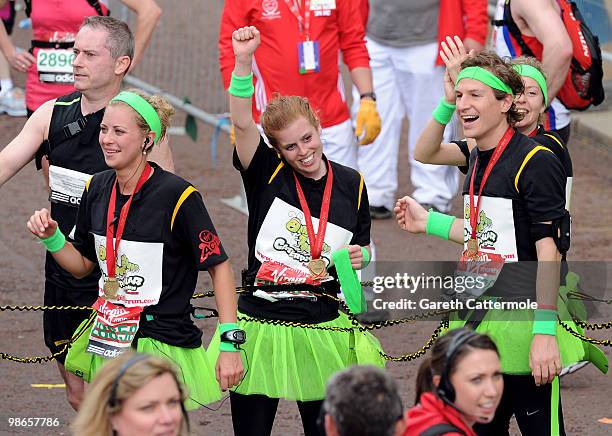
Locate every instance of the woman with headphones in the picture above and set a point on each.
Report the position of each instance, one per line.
(135, 394)
(150, 233)
(459, 384)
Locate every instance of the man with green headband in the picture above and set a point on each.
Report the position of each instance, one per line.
(66, 130)
(514, 208)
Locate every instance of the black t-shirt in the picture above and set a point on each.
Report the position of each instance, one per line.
(526, 186)
(71, 163)
(277, 232)
(168, 238)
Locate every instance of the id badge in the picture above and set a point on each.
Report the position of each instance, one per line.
(308, 55)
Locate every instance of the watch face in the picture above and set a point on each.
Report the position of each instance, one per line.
(239, 336)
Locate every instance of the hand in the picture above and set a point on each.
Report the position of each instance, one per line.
(544, 359)
(41, 224)
(355, 256)
(21, 60)
(410, 215)
(245, 41)
(449, 89)
(229, 369)
(453, 53)
(368, 118)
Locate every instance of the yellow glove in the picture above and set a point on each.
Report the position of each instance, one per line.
(367, 117)
(232, 136)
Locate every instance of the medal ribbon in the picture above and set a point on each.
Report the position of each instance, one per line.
(112, 249)
(496, 155)
(316, 243)
(533, 132)
(303, 22)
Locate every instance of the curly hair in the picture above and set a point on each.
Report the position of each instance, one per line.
(502, 68)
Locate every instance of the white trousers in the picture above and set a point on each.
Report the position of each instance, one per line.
(340, 144)
(407, 83)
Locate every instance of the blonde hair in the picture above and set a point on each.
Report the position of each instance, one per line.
(129, 372)
(164, 110)
(282, 110)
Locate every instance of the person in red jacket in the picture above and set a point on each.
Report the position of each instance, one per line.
(299, 56)
(459, 384)
(403, 39)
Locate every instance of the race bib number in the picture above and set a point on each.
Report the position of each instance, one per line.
(66, 185)
(478, 273)
(114, 328)
(308, 55)
(55, 65)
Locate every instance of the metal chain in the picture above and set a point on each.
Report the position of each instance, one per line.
(603, 342)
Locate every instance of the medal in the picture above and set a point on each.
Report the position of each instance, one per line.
(111, 285)
(472, 247)
(472, 243)
(317, 266)
(111, 288)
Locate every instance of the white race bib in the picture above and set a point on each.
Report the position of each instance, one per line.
(66, 185)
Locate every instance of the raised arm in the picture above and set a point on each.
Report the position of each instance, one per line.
(244, 42)
(22, 149)
(147, 15)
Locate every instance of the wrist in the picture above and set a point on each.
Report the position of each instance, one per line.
(365, 256)
(544, 322)
(443, 113)
(439, 224)
(231, 337)
(55, 242)
(368, 96)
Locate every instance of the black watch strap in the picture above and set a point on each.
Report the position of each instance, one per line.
(368, 94)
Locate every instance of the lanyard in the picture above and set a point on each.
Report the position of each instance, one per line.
(112, 249)
(316, 243)
(533, 132)
(303, 22)
(496, 155)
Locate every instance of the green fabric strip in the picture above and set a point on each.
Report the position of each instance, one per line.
(535, 74)
(439, 224)
(484, 76)
(144, 108)
(54, 242)
(241, 86)
(67, 103)
(554, 407)
(351, 287)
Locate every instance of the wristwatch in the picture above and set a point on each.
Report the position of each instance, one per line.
(368, 94)
(236, 337)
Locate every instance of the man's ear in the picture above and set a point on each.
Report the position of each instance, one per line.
(330, 426)
(122, 65)
(507, 102)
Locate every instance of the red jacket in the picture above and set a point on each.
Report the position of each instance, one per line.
(431, 411)
(275, 66)
(464, 18)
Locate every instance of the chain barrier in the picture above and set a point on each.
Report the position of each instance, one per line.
(602, 342)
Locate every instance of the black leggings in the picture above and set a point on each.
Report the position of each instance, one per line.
(253, 415)
(530, 404)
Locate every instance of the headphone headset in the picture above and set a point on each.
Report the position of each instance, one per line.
(446, 391)
(146, 149)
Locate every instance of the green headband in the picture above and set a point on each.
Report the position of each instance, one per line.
(535, 74)
(484, 76)
(144, 108)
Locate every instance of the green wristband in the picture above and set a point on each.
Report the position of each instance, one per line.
(242, 86)
(544, 322)
(55, 242)
(443, 113)
(228, 346)
(439, 224)
(365, 254)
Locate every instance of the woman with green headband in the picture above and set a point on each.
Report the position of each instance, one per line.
(514, 208)
(150, 233)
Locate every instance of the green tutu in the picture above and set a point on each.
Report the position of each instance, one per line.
(511, 332)
(195, 369)
(295, 363)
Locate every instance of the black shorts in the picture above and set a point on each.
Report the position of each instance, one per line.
(59, 325)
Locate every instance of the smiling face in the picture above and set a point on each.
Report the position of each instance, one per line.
(121, 139)
(530, 103)
(480, 112)
(153, 410)
(478, 384)
(93, 65)
(300, 145)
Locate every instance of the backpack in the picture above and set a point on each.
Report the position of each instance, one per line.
(93, 3)
(583, 86)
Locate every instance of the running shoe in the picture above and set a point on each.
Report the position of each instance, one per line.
(380, 213)
(12, 102)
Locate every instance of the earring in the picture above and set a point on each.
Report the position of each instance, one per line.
(144, 152)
